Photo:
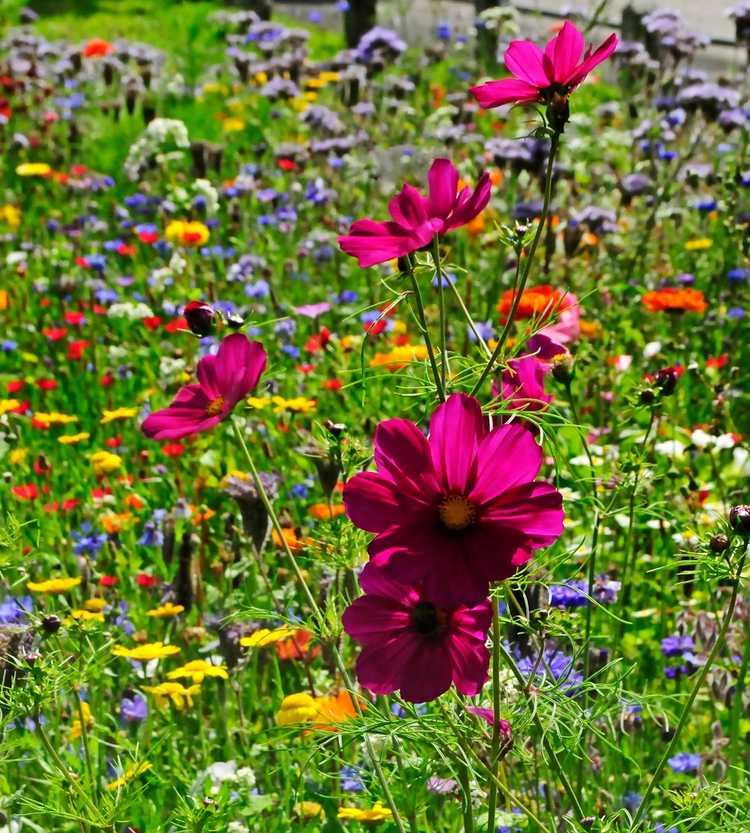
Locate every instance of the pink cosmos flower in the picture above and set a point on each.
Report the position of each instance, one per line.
(522, 384)
(224, 379)
(413, 645)
(415, 219)
(459, 510)
(567, 327)
(537, 75)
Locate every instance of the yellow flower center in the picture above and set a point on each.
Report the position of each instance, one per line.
(215, 406)
(456, 512)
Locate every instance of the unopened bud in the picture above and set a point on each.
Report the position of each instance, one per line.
(739, 519)
(718, 543)
(201, 318)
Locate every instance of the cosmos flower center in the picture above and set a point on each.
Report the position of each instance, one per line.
(456, 512)
(428, 620)
(215, 406)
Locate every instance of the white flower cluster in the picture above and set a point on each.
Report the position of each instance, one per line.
(132, 311)
(226, 771)
(152, 140)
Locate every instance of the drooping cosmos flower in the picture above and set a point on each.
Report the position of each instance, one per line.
(459, 510)
(223, 380)
(416, 219)
(540, 76)
(413, 645)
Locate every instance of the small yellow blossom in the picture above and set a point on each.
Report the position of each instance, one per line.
(214, 87)
(53, 585)
(166, 611)
(118, 413)
(258, 402)
(104, 462)
(399, 357)
(147, 652)
(297, 708)
(197, 670)
(232, 124)
(74, 439)
(97, 604)
(75, 728)
(309, 810)
(7, 405)
(34, 169)
(298, 405)
(264, 636)
(86, 616)
(329, 75)
(698, 245)
(375, 814)
(133, 771)
(176, 692)
(187, 233)
(17, 456)
(54, 418)
(10, 215)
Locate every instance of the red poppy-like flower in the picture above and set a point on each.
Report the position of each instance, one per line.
(25, 491)
(126, 250)
(15, 385)
(152, 322)
(97, 48)
(74, 317)
(109, 581)
(297, 646)
(675, 299)
(146, 580)
(46, 384)
(76, 348)
(54, 333)
(177, 325)
(173, 449)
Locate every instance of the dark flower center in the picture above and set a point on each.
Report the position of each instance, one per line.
(428, 620)
(215, 406)
(456, 512)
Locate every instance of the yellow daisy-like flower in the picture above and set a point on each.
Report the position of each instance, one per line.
(97, 605)
(258, 402)
(328, 76)
(53, 585)
(133, 771)
(232, 124)
(187, 233)
(10, 215)
(146, 652)
(265, 636)
(73, 439)
(399, 357)
(118, 413)
(86, 616)
(34, 169)
(174, 692)
(375, 814)
(298, 405)
(54, 418)
(18, 455)
(104, 462)
(76, 730)
(7, 405)
(166, 611)
(297, 708)
(698, 245)
(309, 810)
(197, 670)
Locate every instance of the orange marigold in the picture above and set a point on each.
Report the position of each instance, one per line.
(675, 298)
(536, 302)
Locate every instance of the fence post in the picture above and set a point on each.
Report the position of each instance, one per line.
(359, 18)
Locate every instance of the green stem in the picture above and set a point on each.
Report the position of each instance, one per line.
(426, 334)
(443, 320)
(319, 620)
(734, 722)
(518, 291)
(463, 777)
(495, 748)
(719, 643)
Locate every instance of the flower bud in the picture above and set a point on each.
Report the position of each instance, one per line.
(739, 519)
(666, 380)
(201, 318)
(718, 543)
(51, 624)
(647, 397)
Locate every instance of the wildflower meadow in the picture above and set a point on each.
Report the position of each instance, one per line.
(374, 422)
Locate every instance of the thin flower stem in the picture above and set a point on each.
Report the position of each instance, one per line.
(426, 333)
(495, 748)
(463, 777)
(518, 290)
(719, 643)
(734, 721)
(472, 326)
(443, 320)
(319, 620)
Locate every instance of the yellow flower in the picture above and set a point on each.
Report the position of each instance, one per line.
(214, 87)
(297, 708)
(7, 405)
(309, 810)
(113, 522)
(73, 439)
(261, 78)
(86, 616)
(54, 418)
(146, 652)
(233, 124)
(133, 771)
(104, 462)
(18, 455)
(187, 232)
(10, 215)
(698, 245)
(198, 670)
(258, 402)
(399, 357)
(33, 169)
(176, 692)
(53, 585)
(375, 814)
(264, 636)
(97, 605)
(166, 611)
(298, 405)
(4, 299)
(75, 728)
(329, 75)
(118, 413)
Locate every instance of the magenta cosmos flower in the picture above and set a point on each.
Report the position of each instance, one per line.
(415, 220)
(413, 645)
(459, 510)
(537, 75)
(223, 380)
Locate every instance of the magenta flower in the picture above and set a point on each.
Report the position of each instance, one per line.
(522, 384)
(459, 510)
(415, 220)
(537, 75)
(413, 645)
(224, 379)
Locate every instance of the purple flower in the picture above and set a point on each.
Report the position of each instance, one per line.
(687, 763)
(133, 709)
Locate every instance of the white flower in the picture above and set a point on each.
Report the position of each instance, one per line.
(203, 188)
(651, 349)
(725, 441)
(150, 142)
(701, 439)
(132, 311)
(14, 258)
(671, 448)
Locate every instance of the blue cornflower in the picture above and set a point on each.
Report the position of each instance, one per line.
(685, 762)
(738, 275)
(13, 611)
(351, 779)
(133, 709)
(674, 646)
(88, 542)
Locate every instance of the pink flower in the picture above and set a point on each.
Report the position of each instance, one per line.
(413, 645)
(567, 328)
(537, 75)
(522, 384)
(224, 379)
(415, 219)
(459, 510)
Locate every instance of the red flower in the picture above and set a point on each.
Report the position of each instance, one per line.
(173, 449)
(54, 333)
(149, 237)
(113, 442)
(286, 164)
(109, 581)
(297, 647)
(126, 249)
(79, 170)
(46, 384)
(318, 341)
(714, 362)
(107, 380)
(74, 317)
(26, 491)
(22, 407)
(333, 384)
(306, 368)
(178, 325)
(76, 348)
(97, 48)
(152, 322)
(145, 580)
(15, 385)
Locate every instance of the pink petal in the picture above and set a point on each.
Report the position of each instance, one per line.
(429, 672)
(470, 204)
(371, 502)
(381, 668)
(374, 619)
(592, 61)
(534, 510)
(456, 429)
(563, 52)
(238, 367)
(470, 660)
(506, 91)
(186, 415)
(408, 208)
(402, 454)
(442, 183)
(375, 582)
(508, 457)
(524, 60)
(372, 243)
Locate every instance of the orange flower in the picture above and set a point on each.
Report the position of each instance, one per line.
(336, 708)
(297, 646)
(675, 298)
(536, 302)
(322, 512)
(294, 543)
(97, 48)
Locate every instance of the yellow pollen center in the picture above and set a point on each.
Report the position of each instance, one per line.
(456, 512)
(215, 406)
